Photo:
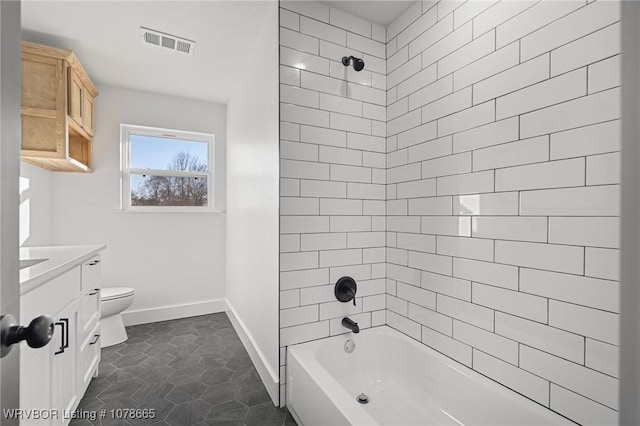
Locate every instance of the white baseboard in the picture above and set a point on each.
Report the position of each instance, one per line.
(269, 377)
(165, 313)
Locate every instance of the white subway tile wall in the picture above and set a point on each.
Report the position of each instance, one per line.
(468, 179)
(332, 170)
(524, 102)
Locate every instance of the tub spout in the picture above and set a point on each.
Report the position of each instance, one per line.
(350, 324)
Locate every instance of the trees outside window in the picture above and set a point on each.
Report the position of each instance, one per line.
(174, 190)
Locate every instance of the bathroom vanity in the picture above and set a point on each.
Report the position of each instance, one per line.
(64, 283)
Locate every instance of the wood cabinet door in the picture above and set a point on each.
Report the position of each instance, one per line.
(76, 97)
(41, 83)
(87, 112)
(43, 106)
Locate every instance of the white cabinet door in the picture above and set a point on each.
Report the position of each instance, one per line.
(64, 363)
(89, 359)
(48, 376)
(35, 383)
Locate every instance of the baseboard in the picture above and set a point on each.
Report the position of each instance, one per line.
(269, 377)
(165, 313)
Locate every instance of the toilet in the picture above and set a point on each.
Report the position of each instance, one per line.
(114, 300)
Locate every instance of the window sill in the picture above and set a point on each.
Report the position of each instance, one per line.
(170, 211)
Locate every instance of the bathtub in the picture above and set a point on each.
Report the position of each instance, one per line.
(407, 384)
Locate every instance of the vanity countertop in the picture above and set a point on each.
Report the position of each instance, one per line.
(59, 259)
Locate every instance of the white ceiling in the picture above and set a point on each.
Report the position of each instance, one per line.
(381, 12)
(105, 36)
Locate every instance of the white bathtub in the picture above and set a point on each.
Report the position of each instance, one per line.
(407, 383)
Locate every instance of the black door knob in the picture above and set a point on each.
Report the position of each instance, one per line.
(37, 334)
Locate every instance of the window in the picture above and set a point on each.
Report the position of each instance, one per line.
(166, 170)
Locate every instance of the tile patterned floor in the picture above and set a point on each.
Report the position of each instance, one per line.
(192, 371)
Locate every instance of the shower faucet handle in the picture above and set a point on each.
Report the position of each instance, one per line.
(345, 290)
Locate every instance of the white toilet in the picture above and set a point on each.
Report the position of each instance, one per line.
(114, 300)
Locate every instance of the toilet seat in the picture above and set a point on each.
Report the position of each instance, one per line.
(112, 293)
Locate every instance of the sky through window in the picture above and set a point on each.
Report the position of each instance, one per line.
(157, 153)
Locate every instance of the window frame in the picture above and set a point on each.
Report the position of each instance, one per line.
(126, 131)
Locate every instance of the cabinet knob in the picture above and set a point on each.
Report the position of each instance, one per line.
(37, 334)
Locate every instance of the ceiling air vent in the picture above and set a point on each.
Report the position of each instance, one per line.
(167, 41)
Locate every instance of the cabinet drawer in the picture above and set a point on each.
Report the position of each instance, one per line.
(91, 273)
(89, 312)
(50, 297)
(89, 358)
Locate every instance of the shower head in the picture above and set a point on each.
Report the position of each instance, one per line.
(358, 64)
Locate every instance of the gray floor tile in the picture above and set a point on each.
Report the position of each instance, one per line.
(220, 393)
(215, 376)
(212, 349)
(190, 371)
(129, 360)
(186, 392)
(156, 360)
(121, 375)
(96, 386)
(120, 389)
(188, 413)
(158, 349)
(246, 376)
(209, 362)
(251, 395)
(153, 391)
(232, 410)
(264, 414)
(81, 422)
(181, 340)
(161, 409)
(239, 363)
(185, 361)
(186, 375)
(132, 347)
(156, 374)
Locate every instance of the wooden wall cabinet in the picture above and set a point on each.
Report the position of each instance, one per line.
(57, 109)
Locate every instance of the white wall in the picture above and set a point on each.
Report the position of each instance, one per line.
(35, 205)
(332, 156)
(503, 157)
(252, 200)
(170, 259)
